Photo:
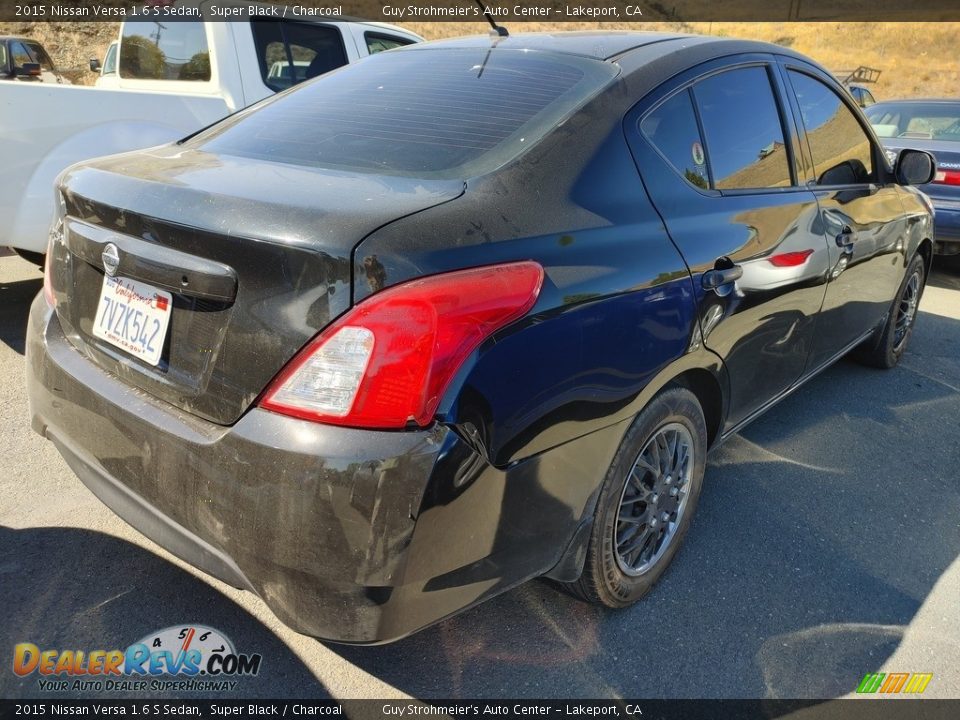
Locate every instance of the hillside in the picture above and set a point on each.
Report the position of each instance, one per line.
(917, 59)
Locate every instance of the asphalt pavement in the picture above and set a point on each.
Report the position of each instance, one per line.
(825, 546)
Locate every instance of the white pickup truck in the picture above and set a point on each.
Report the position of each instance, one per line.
(172, 79)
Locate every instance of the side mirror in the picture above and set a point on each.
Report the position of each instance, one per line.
(94, 65)
(29, 70)
(915, 167)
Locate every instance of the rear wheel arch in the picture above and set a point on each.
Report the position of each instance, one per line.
(706, 387)
(700, 374)
(925, 249)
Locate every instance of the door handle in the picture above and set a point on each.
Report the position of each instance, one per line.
(720, 276)
(846, 238)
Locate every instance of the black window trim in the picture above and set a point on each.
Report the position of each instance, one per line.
(879, 158)
(787, 127)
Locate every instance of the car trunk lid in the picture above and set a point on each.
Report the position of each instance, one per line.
(255, 256)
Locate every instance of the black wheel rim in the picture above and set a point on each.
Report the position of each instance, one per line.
(906, 310)
(654, 499)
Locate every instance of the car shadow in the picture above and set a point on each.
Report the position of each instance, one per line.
(812, 550)
(15, 299)
(70, 588)
(945, 273)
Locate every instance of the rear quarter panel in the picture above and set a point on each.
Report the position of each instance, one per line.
(617, 303)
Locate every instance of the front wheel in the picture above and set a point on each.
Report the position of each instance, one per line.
(886, 351)
(647, 501)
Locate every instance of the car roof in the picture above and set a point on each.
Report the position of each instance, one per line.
(634, 48)
(599, 45)
(921, 101)
(4, 38)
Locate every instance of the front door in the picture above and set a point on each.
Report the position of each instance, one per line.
(862, 219)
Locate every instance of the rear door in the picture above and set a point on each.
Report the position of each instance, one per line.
(718, 156)
(861, 213)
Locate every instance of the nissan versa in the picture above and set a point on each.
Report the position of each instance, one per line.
(466, 314)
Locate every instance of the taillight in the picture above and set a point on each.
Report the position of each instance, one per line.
(790, 259)
(947, 177)
(388, 361)
(56, 232)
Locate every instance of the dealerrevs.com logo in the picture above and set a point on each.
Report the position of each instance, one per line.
(184, 657)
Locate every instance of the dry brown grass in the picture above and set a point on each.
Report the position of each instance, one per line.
(917, 59)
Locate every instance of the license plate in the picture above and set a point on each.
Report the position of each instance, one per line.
(134, 317)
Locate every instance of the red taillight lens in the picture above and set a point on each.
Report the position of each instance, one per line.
(388, 361)
(790, 259)
(947, 177)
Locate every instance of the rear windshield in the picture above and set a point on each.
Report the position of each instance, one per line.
(438, 112)
(923, 121)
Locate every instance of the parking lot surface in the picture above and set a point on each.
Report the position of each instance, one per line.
(825, 547)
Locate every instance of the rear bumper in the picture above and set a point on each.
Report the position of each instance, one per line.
(347, 535)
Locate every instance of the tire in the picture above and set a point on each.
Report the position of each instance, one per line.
(885, 352)
(611, 575)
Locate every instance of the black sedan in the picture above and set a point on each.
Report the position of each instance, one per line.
(934, 126)
(466, 313)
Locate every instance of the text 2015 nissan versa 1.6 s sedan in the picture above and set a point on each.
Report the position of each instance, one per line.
(466, 314)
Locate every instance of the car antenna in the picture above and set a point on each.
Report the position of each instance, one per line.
(497, 30)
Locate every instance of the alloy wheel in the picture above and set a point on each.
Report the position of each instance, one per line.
(906, 309)
(653, 500)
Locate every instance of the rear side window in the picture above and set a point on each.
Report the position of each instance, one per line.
(378, 43)
(672, 128)
(290, 53)
(436, 113)
(164, 51)
(842, 153)
(742, 129)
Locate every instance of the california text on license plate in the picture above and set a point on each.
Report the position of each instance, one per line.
(134, 317)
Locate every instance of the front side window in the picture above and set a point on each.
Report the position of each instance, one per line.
(841, 150)
(290, 53)
(672, 128)
(164, 51)
(742, 129)
(20, 55)
(41, 56)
